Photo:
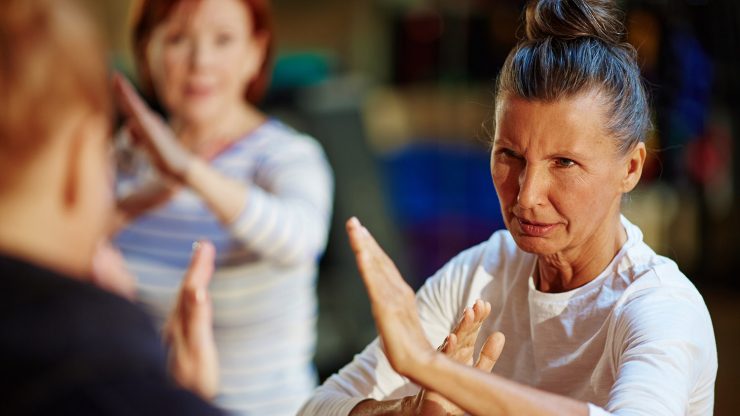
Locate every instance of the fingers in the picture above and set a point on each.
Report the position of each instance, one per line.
(378, 272)
(201, 265)
(139, 121)
(128, 99)
(450, 344)
(135, 132)
(467, 319)
(472, 318)
(196, 288)
(490, 352)
(481, 310)
(143, 122)
(362, 241)
(189, 328)
(192, 315)
(356, 234)
(465, 333)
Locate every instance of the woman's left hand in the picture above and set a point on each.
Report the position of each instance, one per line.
(460, 346)
(151, 132)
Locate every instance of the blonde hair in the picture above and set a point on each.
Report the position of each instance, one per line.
(51, 65)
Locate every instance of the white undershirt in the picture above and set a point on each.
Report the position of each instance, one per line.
(637, 340)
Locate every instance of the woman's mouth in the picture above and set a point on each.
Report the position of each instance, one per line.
(534, 229)
(196, 91)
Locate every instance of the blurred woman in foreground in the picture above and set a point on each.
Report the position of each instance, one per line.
(66, 346)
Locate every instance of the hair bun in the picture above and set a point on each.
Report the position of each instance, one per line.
(572, 19)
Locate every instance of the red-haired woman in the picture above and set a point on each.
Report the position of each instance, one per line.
(219, 169)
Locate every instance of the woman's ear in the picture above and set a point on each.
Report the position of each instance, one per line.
(634, 161)
(84, 144)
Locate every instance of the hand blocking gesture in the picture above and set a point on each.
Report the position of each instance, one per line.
(193, 359)
(460, 346)
(151, 132)
(405, 344)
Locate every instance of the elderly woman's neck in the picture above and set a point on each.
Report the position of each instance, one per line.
(561, 272)
(229, 126)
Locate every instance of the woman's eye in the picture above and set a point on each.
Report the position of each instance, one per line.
(564, 162)
(508, 153)
(224, 39)
(174, 38)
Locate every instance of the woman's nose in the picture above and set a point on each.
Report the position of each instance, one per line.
(532, 188)
(200, 54)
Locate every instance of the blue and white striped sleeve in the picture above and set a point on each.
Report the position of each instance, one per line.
(287, 210)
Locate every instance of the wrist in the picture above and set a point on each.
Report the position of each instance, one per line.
(189, 172)
(419, 367)
(420, 362)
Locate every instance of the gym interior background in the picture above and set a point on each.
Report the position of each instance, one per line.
(400, 94)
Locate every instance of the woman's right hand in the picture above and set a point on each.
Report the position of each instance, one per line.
(403, 339)
(193, 358)
(151, 132)
(393, 304)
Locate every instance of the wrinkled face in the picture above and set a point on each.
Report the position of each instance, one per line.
(203, 57)
(557, 172)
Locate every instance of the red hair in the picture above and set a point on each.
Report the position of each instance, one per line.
(151, 13)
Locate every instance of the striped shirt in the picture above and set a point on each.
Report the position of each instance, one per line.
(263, 290)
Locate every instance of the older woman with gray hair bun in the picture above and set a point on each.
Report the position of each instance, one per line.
(595, 321)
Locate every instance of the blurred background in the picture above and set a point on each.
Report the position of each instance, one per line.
(400, 94)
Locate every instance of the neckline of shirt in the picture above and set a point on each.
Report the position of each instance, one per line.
(633, 237)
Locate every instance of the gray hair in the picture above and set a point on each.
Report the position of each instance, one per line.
(574, 46)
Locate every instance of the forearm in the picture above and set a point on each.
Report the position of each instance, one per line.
(283, 227)
(224, 196)
(145, 199)
(481, 393)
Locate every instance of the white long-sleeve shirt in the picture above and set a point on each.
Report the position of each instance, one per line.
(263, 288)
(637, 340)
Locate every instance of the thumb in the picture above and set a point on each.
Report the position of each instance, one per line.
(195, 312)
